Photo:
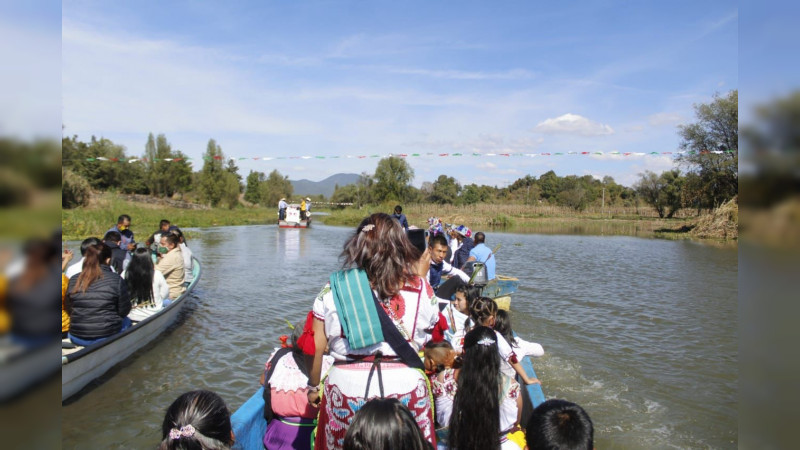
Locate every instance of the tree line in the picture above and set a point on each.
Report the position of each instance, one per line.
(705, 177)
(162, 172)
(390, 183)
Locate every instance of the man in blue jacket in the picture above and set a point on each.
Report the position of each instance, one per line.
(398, 214)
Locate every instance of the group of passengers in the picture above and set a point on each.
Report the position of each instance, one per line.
(353, 376)
(368, 370)
(201, 420)
(305, 208)
(363, 338)
(118, 282)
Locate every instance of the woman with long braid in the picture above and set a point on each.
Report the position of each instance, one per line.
(487, 404)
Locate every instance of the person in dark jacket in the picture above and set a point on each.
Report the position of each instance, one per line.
(400, 217)
(119, 256)
(462, 234)
(31, 296)
(98, 299)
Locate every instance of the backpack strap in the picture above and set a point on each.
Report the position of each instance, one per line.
(396, 340)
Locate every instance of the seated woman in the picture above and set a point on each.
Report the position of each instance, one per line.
(373, 318)
(31, 302)
(485, 415)
(147, 286)
(98, 300)
(291, 418)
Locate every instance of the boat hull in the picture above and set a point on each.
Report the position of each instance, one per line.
(500, 289)
(78, 369)
(21, 369)
(300, 224)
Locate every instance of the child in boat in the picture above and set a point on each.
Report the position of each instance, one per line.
(486, 404)
(559, 424)
(440, 362)
(439, 356)
(384, 424)
(483, 312)
(457, 316)
(502, 324)
(197, 420)
(289, 415)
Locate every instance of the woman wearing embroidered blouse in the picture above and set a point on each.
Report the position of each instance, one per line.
(374, 318)
(291, 418)
(488, 402)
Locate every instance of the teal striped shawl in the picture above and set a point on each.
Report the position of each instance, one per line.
(356, 308)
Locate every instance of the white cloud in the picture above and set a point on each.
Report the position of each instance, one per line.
(492, 168)
(481, 144)
(515, 74)
(665, 118)
(129, 84)
(573, 124)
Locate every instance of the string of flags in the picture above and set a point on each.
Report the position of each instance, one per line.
(419, 155)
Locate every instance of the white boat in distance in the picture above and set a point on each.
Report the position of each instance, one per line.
(81, 365)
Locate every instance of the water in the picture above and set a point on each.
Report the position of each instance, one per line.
(640, 332)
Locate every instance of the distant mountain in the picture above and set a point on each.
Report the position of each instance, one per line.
(324, 187)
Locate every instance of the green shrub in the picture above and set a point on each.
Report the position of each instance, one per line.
(75, 190)
(15, 189)
(501, 221)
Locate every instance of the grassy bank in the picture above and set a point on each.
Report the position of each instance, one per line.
(531, 219)
(103, 210)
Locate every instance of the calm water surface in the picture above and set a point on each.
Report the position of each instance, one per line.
(640, 332)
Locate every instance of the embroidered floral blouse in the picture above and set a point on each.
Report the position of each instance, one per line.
(414, 311)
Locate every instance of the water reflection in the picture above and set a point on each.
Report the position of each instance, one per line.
(291, 242)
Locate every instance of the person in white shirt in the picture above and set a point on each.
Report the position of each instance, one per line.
(77, 267)
(147, 286)
(282, 209)
(502, 324)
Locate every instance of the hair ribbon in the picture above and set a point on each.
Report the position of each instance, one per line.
(185, 431)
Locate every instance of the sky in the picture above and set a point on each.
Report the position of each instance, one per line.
(278, 79)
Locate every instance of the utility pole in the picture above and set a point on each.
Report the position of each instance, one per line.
(603, 207)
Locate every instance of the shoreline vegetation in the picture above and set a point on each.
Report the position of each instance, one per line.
(103, 208)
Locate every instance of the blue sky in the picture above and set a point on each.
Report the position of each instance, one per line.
(271, 79)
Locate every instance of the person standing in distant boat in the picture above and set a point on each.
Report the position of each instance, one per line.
(308, 208)
(282, 209)
(400, 217)
(303, 209)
